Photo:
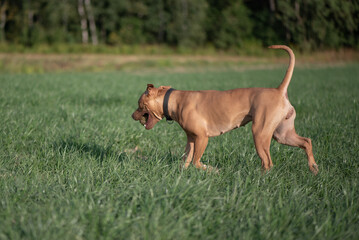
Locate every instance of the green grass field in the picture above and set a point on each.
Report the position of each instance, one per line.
(68, 169)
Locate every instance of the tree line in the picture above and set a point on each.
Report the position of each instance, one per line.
(223, 24)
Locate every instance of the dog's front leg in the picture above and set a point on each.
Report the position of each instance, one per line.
(200, 144)
(188, 154)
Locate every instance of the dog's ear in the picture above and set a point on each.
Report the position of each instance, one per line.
(149, 86)
(149, 89)
(164, 87)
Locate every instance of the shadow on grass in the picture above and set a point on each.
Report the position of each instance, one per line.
(88, 148)
(104, 101)
(101, 153)
(169, 157)
(95, 100)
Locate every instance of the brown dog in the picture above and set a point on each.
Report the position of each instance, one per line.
(204, 114)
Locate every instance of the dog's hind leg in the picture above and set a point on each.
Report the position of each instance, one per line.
(285, 134)
(263, 127)
(262, 143)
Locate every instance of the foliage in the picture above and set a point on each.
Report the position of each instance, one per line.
(319, 23)
(230, 29)
(184, 23)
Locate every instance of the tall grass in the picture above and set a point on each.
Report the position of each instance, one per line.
(69, 168)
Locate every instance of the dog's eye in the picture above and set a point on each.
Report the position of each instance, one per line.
(141, 107)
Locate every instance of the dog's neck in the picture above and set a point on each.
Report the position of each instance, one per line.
(166, 103)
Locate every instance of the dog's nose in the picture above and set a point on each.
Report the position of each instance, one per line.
(134, 116)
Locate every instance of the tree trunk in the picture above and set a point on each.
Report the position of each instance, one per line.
(161, 29)
(81, 10)
(92, 23)
(302, 27)
(3, 9)
(184, 16)
(272, 5)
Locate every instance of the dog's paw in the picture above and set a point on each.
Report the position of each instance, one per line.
(211, 169)
(314, 169)
(182, 166)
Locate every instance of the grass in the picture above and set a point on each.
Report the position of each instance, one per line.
(36, 61)
(69, 168)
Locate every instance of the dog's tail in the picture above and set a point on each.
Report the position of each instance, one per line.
(288, 76)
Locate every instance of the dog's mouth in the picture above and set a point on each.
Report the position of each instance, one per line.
(147, 120)
(144, 119)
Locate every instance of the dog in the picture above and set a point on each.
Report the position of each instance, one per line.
(204, 114)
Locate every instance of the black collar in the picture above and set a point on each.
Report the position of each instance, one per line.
(165, 104)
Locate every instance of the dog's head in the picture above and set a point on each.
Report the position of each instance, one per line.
(150, 106)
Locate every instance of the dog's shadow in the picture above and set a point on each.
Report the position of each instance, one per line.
(103, 101)
(100, 153)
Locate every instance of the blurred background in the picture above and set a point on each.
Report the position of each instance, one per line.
(160, 27)
(221, 24)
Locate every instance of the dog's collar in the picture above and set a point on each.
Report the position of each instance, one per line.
(165, 104)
